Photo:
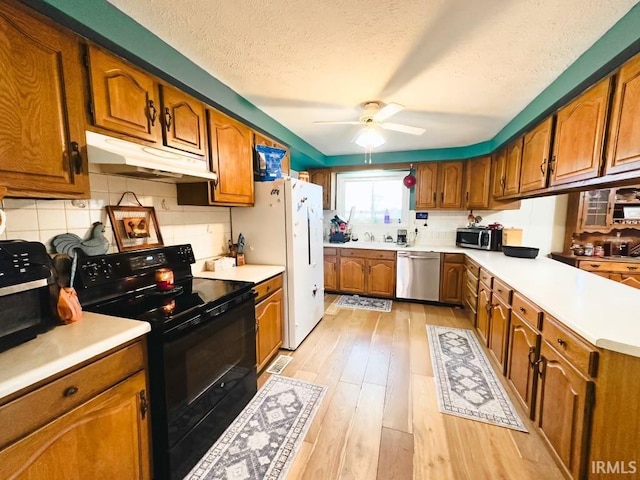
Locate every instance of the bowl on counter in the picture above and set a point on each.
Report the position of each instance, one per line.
(520, 252)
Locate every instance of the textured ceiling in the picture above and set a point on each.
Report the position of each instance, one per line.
(462, 68)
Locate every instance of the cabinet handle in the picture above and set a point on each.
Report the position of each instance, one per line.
(532, 356)
(70, 391)
(594, 265)
(553, 160)
(153, 113)
(561, 342)
(257, 327)
(167, 118)
(503, 183)
(542, 165)
(434, 197)
(499, 291)
(523, 310)
(144, 404)
(77, 158)
(215, 182)
(632, 268)
(542, 366)
(441, 197)
(467, 196)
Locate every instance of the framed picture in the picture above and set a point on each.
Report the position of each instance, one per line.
(134, 228)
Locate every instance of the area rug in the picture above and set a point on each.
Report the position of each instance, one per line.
(263, 441)
(466, 384)
(364, 303)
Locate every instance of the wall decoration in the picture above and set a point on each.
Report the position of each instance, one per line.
(134, 227)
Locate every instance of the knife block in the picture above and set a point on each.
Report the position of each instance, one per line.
(239, 259)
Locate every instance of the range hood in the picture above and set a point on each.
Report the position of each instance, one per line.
(122, 157)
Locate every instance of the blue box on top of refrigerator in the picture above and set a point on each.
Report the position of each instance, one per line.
(285, 227)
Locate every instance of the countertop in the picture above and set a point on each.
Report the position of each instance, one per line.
(245, 273)
(64, 347)
(601, 311)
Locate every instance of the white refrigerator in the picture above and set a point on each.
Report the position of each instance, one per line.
(285, 227)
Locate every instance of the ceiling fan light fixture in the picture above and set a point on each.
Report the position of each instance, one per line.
(369, 138)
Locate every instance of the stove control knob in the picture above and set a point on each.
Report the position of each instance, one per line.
(90, 270)
(107, 269)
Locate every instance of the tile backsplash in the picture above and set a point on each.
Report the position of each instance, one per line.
(207, 229)
(541, 219)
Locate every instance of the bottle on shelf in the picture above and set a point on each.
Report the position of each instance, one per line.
(387, 217)
(616, 245)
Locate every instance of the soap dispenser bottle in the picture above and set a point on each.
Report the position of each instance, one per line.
(387, 217)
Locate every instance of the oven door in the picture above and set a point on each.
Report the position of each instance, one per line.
(209, 375)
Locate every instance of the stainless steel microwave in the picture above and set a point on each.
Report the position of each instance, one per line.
(480, 238)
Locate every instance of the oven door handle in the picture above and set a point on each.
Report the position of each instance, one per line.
(23, 287)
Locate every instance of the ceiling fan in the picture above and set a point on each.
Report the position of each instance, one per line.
(374, 115)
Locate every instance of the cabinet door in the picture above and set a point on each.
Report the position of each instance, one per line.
(624, 131)
(42, 128)
(183, 121)
(596, 211)
(231, 160)
(106, 437)
(269, 315)
(564, 409)
(330, 273)
(381, 278)
(426, 185)
(535, 157)
(524, 350)
(352, 275)
(124, 99)
(498, 178)
(322, 177)
(513, 161)
(478, 182)
(484, 310)
(630, 279)
(579, 137)
(500, 320)
(451, 281)
(450, 176)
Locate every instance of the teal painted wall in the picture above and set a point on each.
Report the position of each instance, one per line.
(107, 21)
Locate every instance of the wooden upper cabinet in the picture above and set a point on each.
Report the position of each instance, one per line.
(535, 157)
(624, 132)
(427, 185)
(498, 179)
(322, 177)
(125, 99)
(450, 184)
(231, 159)
(513, 161)
(42, 139)
(183, 121)
(579, 137)
(439, 185)
(478, 184)
(285, 163)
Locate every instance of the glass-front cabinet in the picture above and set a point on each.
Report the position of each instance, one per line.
(596, 211)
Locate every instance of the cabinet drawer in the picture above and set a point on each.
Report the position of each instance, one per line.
(581, 355)
(267, 287)
(472, 266)
(454, 257)
(471, 298)
(472, 279)
(615, 267)
(330, 251)
(527, 310)
(375, 254)
(54, 399)
(502, 290)
(486, 278)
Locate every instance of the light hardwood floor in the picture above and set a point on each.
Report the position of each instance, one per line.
(380, 418)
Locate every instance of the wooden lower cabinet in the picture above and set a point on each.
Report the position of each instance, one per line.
(105, 434)
(484, 308)
(564, 410)
(451, 282)
(269, 324)
(330, 272)
(362, 272)
(524, 350)
(499, 321)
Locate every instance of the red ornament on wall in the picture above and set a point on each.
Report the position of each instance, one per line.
(410, 180)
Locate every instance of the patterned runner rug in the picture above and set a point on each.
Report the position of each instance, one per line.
(364, 303)
(467, 385)
(263, 441)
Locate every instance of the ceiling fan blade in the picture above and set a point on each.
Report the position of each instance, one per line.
(329, 122)
(387, 111)
(396, 127)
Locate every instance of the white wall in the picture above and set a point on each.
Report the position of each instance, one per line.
(541, 219)
(207, 229)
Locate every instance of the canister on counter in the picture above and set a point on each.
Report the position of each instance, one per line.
(588, 249)
(598, 251)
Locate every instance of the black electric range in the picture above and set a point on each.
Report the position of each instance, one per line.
(201, 348)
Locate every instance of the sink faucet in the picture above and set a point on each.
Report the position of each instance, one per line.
(370, 237)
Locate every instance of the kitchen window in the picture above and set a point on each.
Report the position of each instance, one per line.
(372, 194)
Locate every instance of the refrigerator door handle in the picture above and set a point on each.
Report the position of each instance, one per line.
(309, 236)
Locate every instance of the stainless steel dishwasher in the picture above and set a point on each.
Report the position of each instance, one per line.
(418, 275)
